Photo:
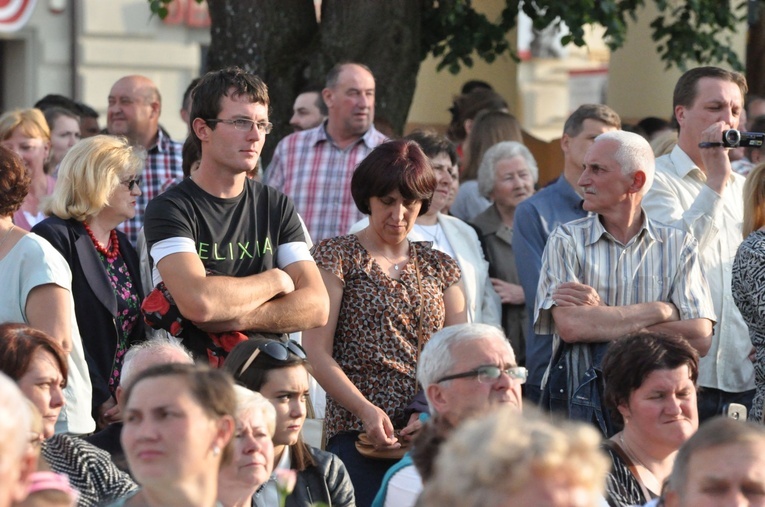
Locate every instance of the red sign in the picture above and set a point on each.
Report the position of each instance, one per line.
(187, 12)
(14, 14)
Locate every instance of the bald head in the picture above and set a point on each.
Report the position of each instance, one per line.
(134, 108)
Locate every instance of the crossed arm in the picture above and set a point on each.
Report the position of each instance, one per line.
(276, 300)
(581, 316)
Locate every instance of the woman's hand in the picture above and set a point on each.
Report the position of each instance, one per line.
(412, 429)
(509, 293)
(378, 428)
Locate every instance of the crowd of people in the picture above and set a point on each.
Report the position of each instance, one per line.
(175, 313)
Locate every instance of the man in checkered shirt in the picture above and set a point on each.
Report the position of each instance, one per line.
(315, 166)
(134, 109)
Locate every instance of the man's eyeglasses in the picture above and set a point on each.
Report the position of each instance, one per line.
(264, 127)
(131, 183)
(488, 374)
(277, 350)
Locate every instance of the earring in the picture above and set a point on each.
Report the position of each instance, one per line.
(216, 451)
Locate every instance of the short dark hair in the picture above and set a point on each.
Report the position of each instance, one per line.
(319, 99)
(18, 344)
(334, 72)
(475, 84)
(394, 165)
(653, 124)
(190, 153)
(14, 182)
(86, 111)
(54, 113)
(213, 86)
(598, 112)
(55, 100)
(433, 144)
(186, 103)
(631, 359)
(686, 89)
(467, 105)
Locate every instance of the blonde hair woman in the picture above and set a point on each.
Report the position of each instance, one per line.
(96, 191)
(25, 132)
(510, 459)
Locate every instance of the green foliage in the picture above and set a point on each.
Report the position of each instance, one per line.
(697, 31)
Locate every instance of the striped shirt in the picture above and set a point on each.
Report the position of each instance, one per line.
(162, 169)
(316, 174)
(659, 263)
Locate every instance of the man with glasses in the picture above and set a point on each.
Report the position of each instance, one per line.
(466, 371)
(315, 166)
(246, 236)
(134, 108)
(614, 273)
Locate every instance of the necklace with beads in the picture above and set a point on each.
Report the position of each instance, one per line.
(109, 253)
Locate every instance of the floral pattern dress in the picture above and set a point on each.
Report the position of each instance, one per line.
(129, 310)
(375, 340)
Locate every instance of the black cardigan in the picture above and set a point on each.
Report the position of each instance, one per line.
(95, 304)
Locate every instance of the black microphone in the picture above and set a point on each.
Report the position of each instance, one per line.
(733, 139)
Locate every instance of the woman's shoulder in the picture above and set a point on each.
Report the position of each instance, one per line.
(343, 247)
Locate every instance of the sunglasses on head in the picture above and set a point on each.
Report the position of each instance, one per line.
(276, 350)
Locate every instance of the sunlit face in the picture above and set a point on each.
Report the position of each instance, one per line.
(32, 150)
(44, 384)
(513, 183)
(575, 147)
(351, 102)
(445, 173)
(228, 149)
(603, 184)
(64, 134)
(716, 100)
(130, 112)
(662, 410)
(552, 490)
(467, 397)
(253, 453)
(287, 390)
(305, 113)
(121, 203)
(724, 475)
(167, 437)
(392, 217)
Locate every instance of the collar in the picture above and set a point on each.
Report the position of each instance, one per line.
(570, 197)
(162, 139)
(597, 231)
(323, 136)
(683, 166)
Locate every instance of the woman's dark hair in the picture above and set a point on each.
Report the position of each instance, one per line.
(630, 360)
(18, 344)
(255, 375)
(14, 182)
(394, 165)
(433, 144)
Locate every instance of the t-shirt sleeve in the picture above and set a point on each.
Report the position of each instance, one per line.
(329, 255)
(165, 219)
(42, 264)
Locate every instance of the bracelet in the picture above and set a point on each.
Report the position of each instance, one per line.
(710, 145)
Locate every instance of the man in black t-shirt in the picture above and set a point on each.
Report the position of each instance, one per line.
(220, 221)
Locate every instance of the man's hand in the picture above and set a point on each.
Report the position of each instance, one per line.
(509, 293)
(106, 414)
(715, 159)
(576, 294)
(412, 429)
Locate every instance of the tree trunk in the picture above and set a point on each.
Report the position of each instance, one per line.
(281, 41)
(755, 54)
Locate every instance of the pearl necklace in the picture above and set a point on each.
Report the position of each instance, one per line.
(110, 254)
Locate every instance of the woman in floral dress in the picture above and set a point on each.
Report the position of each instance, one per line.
(387, 296)
(96, 191)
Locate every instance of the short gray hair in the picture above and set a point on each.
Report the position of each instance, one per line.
(437, 361)
(253, 401)
(634, 153)
(159, 347)
(502, 151)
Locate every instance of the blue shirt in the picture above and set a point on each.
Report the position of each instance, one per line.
(535, 219)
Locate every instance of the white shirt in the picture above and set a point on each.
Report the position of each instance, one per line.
(680, 197)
